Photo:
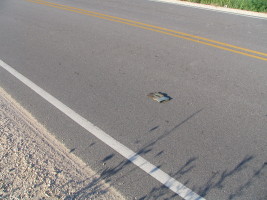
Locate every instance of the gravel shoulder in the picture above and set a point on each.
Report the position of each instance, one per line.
(34, 165)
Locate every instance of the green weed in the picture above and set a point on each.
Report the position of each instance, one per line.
(253, 5)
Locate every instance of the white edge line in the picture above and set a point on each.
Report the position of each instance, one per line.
(216, 9)
(136, 159)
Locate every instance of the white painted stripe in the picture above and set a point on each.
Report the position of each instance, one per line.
(136, 159)
(216, 9)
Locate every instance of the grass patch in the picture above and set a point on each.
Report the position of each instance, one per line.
(253, 5)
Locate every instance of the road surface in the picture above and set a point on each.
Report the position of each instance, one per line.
(102, 58)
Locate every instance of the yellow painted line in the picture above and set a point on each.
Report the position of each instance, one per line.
(157, 27)
(154, 28)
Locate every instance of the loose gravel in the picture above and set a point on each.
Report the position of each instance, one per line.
(34, 165)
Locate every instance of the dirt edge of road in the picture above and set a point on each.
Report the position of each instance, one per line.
(35, 165)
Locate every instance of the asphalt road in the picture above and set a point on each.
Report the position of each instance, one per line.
(210, 137)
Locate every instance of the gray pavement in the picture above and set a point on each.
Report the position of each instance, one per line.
(211, 136)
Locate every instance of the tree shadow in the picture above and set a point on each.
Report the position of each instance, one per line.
(217, 180)
(109, 173)
(162, 192)
(94, 187)
(242, 188)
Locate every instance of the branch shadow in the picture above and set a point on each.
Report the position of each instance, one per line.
(217, 180)
(109, 173)
(242, 188)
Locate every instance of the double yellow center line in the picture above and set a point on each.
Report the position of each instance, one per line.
(194, 38)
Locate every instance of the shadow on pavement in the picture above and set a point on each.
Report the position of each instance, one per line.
(216, 181)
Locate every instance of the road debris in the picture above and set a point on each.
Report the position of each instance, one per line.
(159, 97)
